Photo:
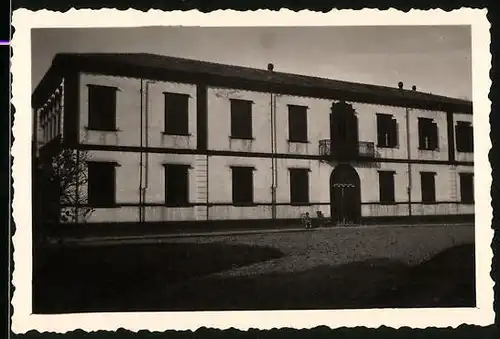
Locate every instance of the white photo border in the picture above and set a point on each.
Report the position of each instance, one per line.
(23, 320)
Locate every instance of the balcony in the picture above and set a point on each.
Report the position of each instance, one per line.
(361, 150)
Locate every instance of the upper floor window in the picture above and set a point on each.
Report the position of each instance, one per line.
(176, 185)
(427, 134)
(101, 184)
(467, 188)
(242, 185)
(428, 187)
(297, 123)
(386, 187)
(299, 186)
(102, 108)
(464, 137)
(387, 130)
(176, 113)
(241, 119)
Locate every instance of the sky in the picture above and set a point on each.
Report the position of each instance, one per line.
(436, 59)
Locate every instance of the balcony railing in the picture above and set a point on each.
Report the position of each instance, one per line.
(346, 151)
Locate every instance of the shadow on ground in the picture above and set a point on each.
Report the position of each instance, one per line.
(123, 277)
(149, 278)
(446, 280)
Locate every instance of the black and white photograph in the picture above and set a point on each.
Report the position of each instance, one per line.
(258, 167)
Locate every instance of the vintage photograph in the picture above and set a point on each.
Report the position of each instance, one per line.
(252, 168)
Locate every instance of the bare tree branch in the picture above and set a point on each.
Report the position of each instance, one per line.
(61, 183)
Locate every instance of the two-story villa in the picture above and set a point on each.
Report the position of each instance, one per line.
(176, 140)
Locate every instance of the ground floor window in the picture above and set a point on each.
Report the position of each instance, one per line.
(428, 186)
(386, 187)
(299, 186)
(242, 185)
(176, 185)
(467, 188)
(101, 184)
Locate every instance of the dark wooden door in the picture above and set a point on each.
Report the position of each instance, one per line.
(345, 195)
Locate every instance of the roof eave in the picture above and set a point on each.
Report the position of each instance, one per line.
(64, 63)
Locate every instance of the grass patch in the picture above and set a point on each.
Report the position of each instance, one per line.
(111, 278)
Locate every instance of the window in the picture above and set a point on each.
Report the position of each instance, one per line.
(242, 185)
(102, 108)
(428, 185)
(427, 134)
(386, 186)
(101, 184)
(176, 185)
(467, 188)
(241, 119)
(464, 136)
(387, 131)
(176, 114)
(297, 123)
(299, 186)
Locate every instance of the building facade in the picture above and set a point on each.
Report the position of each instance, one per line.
(176, 140)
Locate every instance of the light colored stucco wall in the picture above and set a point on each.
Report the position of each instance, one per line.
(220, 188)
(128, 113)
(217, 169)
(318, 122)
(220, 179)
(367, 124)
(219, 120)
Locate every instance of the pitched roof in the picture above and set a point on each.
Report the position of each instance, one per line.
(210, 71)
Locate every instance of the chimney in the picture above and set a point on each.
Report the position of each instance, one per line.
(414, 87)
(400, 85)
(270, 67)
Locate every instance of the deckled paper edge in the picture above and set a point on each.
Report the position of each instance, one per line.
(23, 320)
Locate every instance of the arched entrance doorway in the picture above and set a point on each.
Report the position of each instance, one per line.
(345, 195)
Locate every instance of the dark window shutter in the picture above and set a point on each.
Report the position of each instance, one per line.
(297, 123)
(102, 108)
(380, 130)
(241, 119)
(242, 185)
(464, 136)
(467, 188)
(421, 133)
(299, 186)
(176, 113)
(176, 185)
(386, 187)
(387, 134)
(434, 137)
(427, 134)
(428, 187)
(471, 139)
(393, 133)
(101, 184)
(459, 137)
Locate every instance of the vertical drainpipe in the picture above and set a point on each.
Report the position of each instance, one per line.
(146, 144)
(272, 102)
(275, 151)
(140, 159)
(273, 178)
(408, 153)
(409, 159)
